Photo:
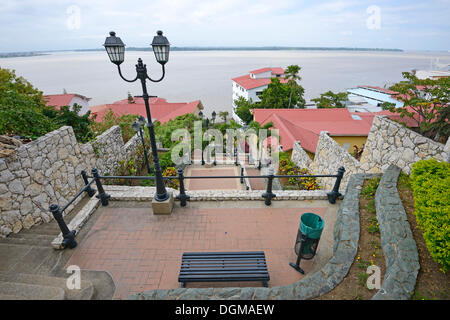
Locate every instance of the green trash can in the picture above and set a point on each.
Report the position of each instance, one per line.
(311, 225)
(308, 235)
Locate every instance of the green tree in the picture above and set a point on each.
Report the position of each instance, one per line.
(427, 102)
(111, 119)
(224, 115)
(243, 107)
(330, 99)
(292, 76)
(278, 95)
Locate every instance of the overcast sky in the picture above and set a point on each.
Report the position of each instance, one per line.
(29, 25)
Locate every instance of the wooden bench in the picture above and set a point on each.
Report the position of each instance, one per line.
(224, 267)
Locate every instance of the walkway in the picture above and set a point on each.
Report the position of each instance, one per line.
(143, 251)
(213, 184)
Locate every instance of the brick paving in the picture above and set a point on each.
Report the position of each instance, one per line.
(256, 183)
(213, 184)
(143, 251)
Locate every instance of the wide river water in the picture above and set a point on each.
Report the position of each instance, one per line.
(206, 75)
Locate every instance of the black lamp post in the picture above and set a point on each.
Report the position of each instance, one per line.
(137, 126)
(213, 117)
(116, 51)
(200, 115)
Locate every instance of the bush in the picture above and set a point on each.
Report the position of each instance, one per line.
(287, 167)
(430, 181)
(111, 119)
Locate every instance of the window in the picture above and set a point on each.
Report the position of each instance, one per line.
(258, 93)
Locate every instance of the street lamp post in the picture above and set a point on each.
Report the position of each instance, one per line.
(213, 117)
(116, 51)
(200, 115)
(137, 126)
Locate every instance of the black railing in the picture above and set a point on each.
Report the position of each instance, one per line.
(268, 195)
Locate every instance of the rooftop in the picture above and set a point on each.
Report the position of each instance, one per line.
(161, 110)
(60, 100)
(305, 125)
(247, 82)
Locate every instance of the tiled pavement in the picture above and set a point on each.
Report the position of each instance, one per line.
(143, 251)
(213, 184)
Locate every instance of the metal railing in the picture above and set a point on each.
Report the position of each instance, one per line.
(268, 195)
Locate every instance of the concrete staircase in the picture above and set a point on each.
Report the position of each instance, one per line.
(31, 269)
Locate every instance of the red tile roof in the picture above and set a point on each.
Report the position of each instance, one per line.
(60, 100)
(275, 70)
(160, 109)
(305, 125)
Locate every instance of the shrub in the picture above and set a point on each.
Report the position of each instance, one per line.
(288, 168)
(430, 181)
(111, 119)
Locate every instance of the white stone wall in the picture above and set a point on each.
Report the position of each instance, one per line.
(388, 143)
(300, 157)
(391, 143)
(329, 157)
(47, 171)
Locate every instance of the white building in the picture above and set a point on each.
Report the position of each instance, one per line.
(67, 99)
(370, 99)
(431, 74)
(251, 85)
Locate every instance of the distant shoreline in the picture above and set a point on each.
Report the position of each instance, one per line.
(269, 48)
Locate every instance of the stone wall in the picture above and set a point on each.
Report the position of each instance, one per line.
(47, 171)
(329, 157)
(399, 247)
(300, 157)
(391, 143)
(388, 143)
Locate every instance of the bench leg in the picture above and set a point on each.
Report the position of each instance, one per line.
(183, 284)
(265, 284)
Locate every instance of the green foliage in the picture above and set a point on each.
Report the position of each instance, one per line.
(362, 277)
(111, 119)
(331, 100)
(279, 95)
(23, 111)
(81, 124)
(243, 108)
(224, 115)
(428, 101)
(430, 181)
(171, 172)
(288, 168)
(291, 74)
(163, 132)
(369, 190)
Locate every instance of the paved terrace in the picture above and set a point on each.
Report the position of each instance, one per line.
(143, 251)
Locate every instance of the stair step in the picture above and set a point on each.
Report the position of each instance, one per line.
(10, 297)
(33, 236)
(42, 228)
(31, 291)
(26, 242)
(86, 291)
(101, 280)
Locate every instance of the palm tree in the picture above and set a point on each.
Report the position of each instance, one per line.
(291, 74)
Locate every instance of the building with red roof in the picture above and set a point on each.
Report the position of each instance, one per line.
(251, 85)
(67, 99)
(305, 125)
(160, 109)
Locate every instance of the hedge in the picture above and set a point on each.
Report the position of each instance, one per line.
(430, 181)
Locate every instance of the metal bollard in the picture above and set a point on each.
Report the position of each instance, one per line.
(268, 195)
(89, 190)
(334, 194)
(242, 174)
(69, 236)
(183, 197)
(102, 195)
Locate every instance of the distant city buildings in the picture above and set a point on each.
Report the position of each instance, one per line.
(161, 110)
(431, 74)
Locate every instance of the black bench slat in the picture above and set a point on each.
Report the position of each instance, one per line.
(223, 266)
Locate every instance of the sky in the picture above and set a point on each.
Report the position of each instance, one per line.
(40, 25)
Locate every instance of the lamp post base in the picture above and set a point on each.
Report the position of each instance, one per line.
(163, 207)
